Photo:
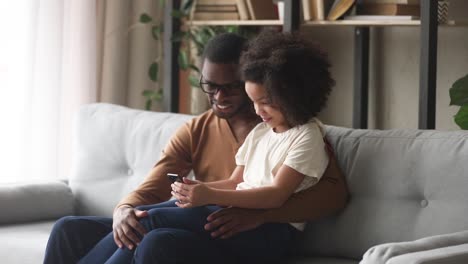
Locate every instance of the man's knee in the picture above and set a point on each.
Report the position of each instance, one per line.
(157, 246)
(66, 223)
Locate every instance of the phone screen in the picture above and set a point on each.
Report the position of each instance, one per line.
(174, 177)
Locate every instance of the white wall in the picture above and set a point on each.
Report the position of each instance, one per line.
(394, 72)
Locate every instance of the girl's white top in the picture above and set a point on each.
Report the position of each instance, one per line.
(301, 148)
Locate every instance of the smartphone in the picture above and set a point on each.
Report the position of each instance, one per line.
(174, 177)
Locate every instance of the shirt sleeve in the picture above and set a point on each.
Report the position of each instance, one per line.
(175, 158)
(245, 148)
(308, 155)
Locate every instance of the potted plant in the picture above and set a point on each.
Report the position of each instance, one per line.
(459, 96)
(193, 41)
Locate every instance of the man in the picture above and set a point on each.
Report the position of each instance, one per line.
(207, 145)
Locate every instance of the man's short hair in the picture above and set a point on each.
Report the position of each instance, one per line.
(225, 48)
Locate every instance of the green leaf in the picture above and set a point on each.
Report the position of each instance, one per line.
(183, 60)
(147, 93)
(188, 5)
(157, 96)
(148, 104)
(153, 71)
(194, 68)
(145, 18)
(459, 92)
(461, 118)
(194, 81)
(155, 32)
(178, 14)
(232, 29)
(178, 36)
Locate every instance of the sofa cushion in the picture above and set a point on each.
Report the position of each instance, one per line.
(34, 201)
(404, 185)
(115, 149)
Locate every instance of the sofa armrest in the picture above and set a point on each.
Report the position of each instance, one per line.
(34, 201)
(446, 255)
(380, 254)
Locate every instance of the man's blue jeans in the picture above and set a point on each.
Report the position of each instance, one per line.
(175, 235)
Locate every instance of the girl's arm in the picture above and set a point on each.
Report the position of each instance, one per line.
(273, 196)
(231, 183)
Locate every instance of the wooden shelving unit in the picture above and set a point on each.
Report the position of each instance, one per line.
(428, 57)
(235, 23)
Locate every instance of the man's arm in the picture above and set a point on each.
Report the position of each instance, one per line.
(176, 158)
(328, 196)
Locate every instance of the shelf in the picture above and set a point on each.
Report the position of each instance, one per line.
(235, 23)
(382, 23)
(375, 23)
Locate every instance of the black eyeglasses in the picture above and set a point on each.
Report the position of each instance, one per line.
(213, 88)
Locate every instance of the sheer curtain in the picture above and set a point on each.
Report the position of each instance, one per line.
(47, 69)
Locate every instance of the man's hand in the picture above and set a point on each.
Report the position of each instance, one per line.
(227, 222)
(127, 229)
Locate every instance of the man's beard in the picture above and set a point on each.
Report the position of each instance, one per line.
(242, 108)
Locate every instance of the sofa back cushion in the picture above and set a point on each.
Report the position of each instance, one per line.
(404, 185)
(114, 149)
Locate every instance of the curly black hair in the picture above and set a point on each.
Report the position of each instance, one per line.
(224, 48)
(294, 71)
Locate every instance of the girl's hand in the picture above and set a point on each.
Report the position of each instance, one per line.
(191, 193)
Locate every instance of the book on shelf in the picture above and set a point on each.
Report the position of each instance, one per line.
(339, 8)
(215, 16)
(214, 10)
(243, 9)
(262, 9)
(380, 18)
(215, 2)
(403, 2)
(388, 9)
(313, 9)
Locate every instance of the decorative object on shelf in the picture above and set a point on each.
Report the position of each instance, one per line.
(388, 9)
(459, 96)
(443, 11)
(313, 10)
(243, 9)
(339, 8)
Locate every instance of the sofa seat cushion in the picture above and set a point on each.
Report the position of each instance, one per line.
(24, 243)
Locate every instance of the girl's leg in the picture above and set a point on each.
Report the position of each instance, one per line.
(190, 219)
(170, 203)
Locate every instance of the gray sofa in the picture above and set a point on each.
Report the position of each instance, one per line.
(408, 204)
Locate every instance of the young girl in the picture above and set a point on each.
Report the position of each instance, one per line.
(288, 81)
